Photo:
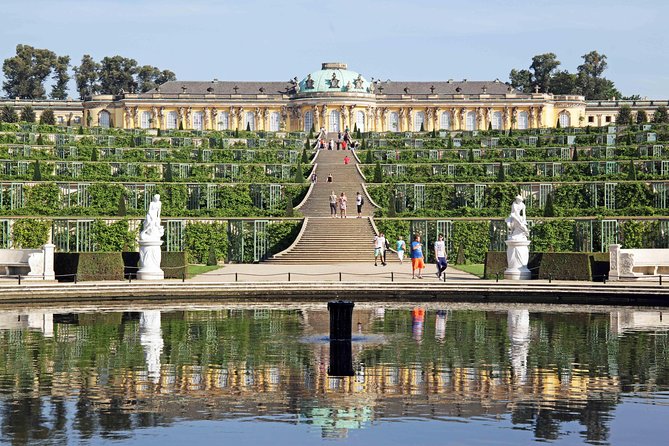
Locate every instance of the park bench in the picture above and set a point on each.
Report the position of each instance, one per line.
(633, 264)
(27, 262)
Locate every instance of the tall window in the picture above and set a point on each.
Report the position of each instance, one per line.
(334, 121)
(565, 119)
(393, 122)
(171, 120)
(274, 120)
(360, 120)
(522, 121)
(145, 120)
(419, 121)
(445, 121)
(198, 118)
(104, 119)
(223, 121)
(250, 121)
(308, 121)
(497, 120)
(471, 121)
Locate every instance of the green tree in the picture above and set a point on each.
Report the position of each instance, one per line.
(248, 126)
(631, 171)
(641, 117)
(8, 114)
(289, 206)
(624, 115)
(563, 82)
(470, 155)
(661, 116)
(26, 72)
(501, 176)
(61, 77)
(150, 77)
(305, 157)
(521, 80)
(27, 114)
(543, 66)
(591, 83)
(392, 205)
(299, 176)
(47, 117)
(37, 172)
(86, 76)
(378, 173)
(549, 209)
(116, 74)
(122, 210)
(368, 158)
(574, 156)
(211, 256)
(168, 176)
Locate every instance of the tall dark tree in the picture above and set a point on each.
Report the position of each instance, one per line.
(591, 83)
(521, 80)
(149, 77)
(86, 76)
(641, 117)
(7, 114)
(624, 115)
(543, 66)
(660, 116)
(61, 77)
(47, 117)
(116, 74)
(26, 72)
(563, 82)
(27, 114)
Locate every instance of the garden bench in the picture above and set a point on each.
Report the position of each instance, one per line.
(632, 264)
(36, 263)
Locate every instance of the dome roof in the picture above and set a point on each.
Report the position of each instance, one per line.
(334, 77)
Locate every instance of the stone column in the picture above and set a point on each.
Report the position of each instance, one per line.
(48, 252)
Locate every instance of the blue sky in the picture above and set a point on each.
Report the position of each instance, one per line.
(397, 40)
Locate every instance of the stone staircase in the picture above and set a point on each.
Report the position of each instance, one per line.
(333, 240)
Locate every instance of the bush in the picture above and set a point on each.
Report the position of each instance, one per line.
(27, 114)
(47, 117)
(30, 233)
(378, 173)
(495, 263)
(565, 266)
(89, 266)
(200, 236)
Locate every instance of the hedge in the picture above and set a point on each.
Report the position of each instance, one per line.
(173, 264)
(585, 266)
(88, 266)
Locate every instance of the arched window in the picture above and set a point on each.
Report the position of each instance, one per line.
(393, 122)
(308, 121)
(145, 120)
(445, 121)
(250, 121)
(471, 121)
(198, 118)
(274, 121)
(171, 120)
(334, 121)
(223, 121)
(419, 121)
(360, 120)
(565, 119)
(104, 119)
(497, 120)
(522, 121)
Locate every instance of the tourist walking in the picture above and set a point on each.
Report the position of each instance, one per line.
(314, 178)
(440, 256)
(329, 179)
(386, 247)
(400, 247)
(342, 205)
(346, 160)
(417, 262)
(333, 205)
(379, 246)
(358, 203)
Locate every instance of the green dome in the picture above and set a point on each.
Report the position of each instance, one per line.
(322, 81)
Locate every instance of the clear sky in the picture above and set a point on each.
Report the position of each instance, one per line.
(397, 40)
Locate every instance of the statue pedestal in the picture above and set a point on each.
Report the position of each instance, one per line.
(149, 260)
(517, 256)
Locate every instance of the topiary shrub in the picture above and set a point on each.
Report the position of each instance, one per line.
(88, 266)
(495, 263)
(565, 266)
(378, 173)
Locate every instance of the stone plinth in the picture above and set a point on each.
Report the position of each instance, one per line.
(149, 260)
(517, 256)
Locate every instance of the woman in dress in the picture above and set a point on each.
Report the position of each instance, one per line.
(342, 205)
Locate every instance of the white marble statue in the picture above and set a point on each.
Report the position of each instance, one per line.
(152, 229)
(517, 252)
(149, 243)
(517, 220)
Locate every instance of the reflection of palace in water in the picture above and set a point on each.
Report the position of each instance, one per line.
(175, 380)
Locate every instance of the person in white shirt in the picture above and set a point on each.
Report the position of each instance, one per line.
(359, 202)
(379, 248)
(440, 256)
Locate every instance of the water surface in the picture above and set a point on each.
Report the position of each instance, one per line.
(435, 375)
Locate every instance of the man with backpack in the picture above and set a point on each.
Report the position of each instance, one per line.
(359, 201)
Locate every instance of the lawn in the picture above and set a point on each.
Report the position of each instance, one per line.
(194, 270)
(472, 268)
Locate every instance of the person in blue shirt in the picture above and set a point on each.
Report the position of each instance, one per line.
(417, 262)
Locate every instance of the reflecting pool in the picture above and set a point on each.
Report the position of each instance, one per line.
(260, 375)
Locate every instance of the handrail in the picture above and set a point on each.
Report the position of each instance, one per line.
(296, 241)
(371, 200)
(311, 188)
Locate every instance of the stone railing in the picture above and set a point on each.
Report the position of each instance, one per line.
(634, 264)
